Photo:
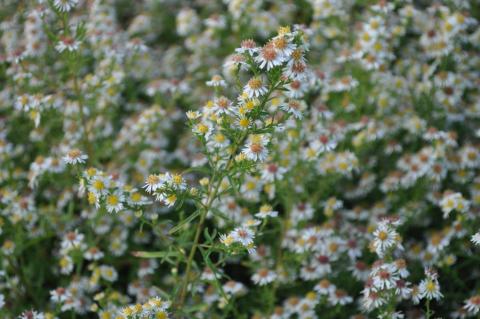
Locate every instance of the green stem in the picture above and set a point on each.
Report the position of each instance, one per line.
(183, 291)
(83, 120)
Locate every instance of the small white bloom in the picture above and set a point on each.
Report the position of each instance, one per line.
(269, 57)
(266, 211)
(108, 273)
(65, 5)
(476, 239)
(472, 305)
(429, 287)
(385, 238)
(256, 149)
(152, 183)
(67, 43)
(264, 276)
(255, 87)
(75, 156)
(243, 235)
(114, 202)
(217, 81)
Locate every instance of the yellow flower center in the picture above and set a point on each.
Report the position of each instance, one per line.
(112, 200)
(382, 235)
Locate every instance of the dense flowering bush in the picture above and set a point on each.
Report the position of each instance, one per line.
(239, 159)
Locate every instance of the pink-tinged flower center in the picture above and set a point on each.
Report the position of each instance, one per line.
(384, 274)
(298, 67)
(323, 259)
(475, 300)
(256, 148)
(295, 85)
(360, 265)
(68, 40)
(269, 54)
(272, 168)
(263, 272)
(323, 139)
(242, 234)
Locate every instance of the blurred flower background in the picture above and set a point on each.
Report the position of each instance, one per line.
(239, 159)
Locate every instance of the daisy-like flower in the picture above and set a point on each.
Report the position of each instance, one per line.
(256, 149)
(59, 295)
(99, 186)
(114, 202)
(402, 289)
(74, 157)
(159, 304)
(454, 201)
(65, 5)
(385, 277)
(222, 105)
(269, 57)
(385, 238)
(476, 239)
(324, 287)
(176, 181)
(108, 273)
(193, 115)
(217, 81)
(93, 253)
(472, 305)
(227, 240)
(296, 70)
(339, 297)
(247, 46)
(203, 129)
(294, 107)
(218, 140)
(152, 183)
(170, 200)
(67, 43)
(283, 46)
(429, 287)
(266, 211)
(324, 143)
(272, 171)
(72, 240)
(66, 265)
(372, 300)
(264, 276)
(32, 314)
(296, 89)
(255, 87)
(243, 235)
(233, 287)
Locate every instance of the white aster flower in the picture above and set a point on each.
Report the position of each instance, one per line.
(256, 149)
(264, 276)
(243, 235)
(255, 87)
(65, 5)
(74, 157)
(67, 43)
